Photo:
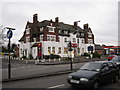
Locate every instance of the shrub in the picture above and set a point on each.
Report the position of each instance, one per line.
(24, 57)
(46, 56)
(86, 54)
(96, 55)
(14, 56)
(30, 56)
(56, 56)
(51, 56)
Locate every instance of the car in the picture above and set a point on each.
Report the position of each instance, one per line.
(94, 74)
(116, 60)
(111, 57)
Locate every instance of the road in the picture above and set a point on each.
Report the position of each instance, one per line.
(20, 69)
(51, 82)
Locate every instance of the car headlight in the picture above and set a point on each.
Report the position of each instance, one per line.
(118, 63)
(70, 77)
(83, 79)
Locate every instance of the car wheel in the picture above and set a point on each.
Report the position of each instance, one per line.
(116, 79)
(95, 85)
(119, 73)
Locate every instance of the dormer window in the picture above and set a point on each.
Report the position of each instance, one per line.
(27, 39)
(51, 29)
(82, 34)
(41, 29)
(89, 34)
(59, 31)
(27, 30)
(66, 32)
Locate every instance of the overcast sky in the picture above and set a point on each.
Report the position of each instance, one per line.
(102, 16)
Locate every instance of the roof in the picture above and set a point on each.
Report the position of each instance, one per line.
(105, 61)
(112, 47)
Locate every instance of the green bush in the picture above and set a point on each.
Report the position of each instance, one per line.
(86, 54)
(56, 56)
(30, 56)
(14, 56)
(24, 57)
(46, 56)
(51, 56)
(96, 55)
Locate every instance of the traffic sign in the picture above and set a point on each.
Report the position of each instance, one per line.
(9, 34)
(90, 48)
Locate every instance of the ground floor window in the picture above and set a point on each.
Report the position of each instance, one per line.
(59, 50)
(65, 50)
(49, 50)
(53, 50)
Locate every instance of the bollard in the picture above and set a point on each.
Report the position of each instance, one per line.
(54, 59)
(49, 59)
(26, 61)
(59, 59)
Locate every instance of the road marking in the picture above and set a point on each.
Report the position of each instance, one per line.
(56, 86)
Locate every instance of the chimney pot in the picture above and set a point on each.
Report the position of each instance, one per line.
(35, 17)
(75, 24)
(57, 19)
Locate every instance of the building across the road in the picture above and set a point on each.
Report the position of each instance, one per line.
(112, 49)
(52, 37)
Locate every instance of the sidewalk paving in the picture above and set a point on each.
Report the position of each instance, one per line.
(44, 69)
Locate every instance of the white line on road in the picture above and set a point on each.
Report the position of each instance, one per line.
(56, 86)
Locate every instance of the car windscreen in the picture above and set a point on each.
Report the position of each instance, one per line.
(91, 67)
(116, 59)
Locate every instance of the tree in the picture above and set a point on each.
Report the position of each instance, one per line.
(3, 38)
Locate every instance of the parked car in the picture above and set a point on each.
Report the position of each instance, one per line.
(111, 57)
(93, 74)
(116, 60)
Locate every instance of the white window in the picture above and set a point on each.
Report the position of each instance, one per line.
(74, 40)
(90, 41)
(27, 39)
(59, 50)
(59, 31)
(27, 30)
(51, 38)
(82, 41)
(82, 34)
(89, 34)
(51, 29)
(41, 29)
(66, 32)
(49, 50)
(48, 38)
(65, 39)
(34, 39)
(53, 50)
(41, 38)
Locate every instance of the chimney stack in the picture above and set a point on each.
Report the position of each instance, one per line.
(86, 26)
(57, 19)
(35, 18)
(75, 24)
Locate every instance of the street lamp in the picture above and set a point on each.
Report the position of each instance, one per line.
(78, 36)
(9, 36)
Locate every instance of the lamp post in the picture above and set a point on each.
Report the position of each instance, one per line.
(9, 36)
(70, 49)
(78, 36)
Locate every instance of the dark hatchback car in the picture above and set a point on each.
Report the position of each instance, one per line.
(93, 74)
(116, 60)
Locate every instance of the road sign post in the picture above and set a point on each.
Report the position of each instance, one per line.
(9, 36)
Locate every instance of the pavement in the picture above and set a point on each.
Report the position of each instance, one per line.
(46, 68)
